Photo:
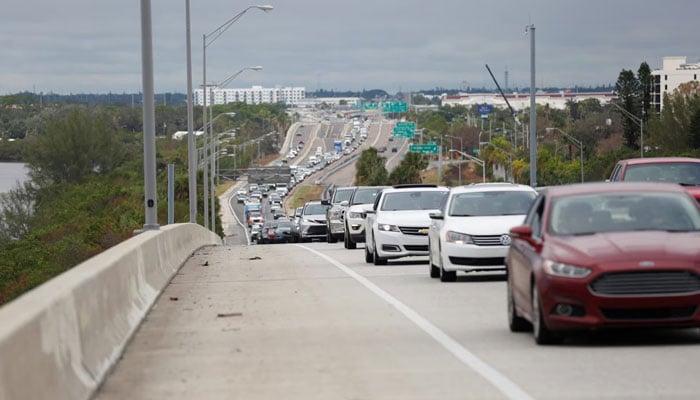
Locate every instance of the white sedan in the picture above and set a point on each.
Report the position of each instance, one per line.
(471, 232)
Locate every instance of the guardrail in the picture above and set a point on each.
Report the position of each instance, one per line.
(61, 339)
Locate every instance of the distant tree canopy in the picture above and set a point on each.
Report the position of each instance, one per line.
(676, 130)
(370, 169)
(409, 170)
(73, 147)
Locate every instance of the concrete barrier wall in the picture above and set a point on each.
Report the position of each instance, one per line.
(60, 340)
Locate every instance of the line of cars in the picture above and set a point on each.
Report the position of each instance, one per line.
(577, 257)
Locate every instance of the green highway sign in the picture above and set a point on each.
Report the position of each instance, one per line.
(430, 148)
(394, 107)
(404, 129)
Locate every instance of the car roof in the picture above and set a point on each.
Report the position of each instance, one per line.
(659, 160)
(607, 187)
(492, 187)
(416, 188)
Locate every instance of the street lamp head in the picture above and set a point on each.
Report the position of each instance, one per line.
(266, 8)
(256, 68)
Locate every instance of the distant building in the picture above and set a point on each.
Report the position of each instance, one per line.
(675, 71)
(521, 101)
(253, 95)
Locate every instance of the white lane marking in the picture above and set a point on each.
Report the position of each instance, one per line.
(498, 380)
(233, 212)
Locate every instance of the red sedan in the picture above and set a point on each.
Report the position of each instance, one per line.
(605, 255)
(682, 170)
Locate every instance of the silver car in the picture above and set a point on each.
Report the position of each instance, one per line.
(296, 220)
(313, 221)
(335, 227)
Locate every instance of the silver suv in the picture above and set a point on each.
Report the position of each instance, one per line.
(355, 213)
(335, 227)
(313, 221)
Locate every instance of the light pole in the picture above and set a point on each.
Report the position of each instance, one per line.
(208, 39)
(510, 157)
(149, 119)
(461, 148)
(212, 173)
(637, 121)
(476, 160)
(191, 155)
(575, 141)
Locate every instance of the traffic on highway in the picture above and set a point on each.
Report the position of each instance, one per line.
(488, 290)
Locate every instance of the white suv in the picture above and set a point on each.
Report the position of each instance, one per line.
(354, 218)
(471, 231)
(397, 225)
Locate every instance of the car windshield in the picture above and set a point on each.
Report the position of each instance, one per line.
(686, 173)
(284, 224)
(315, 209)
(413, 200)
(622, 212)
(342, 195)
(490, 203)
(365, 196)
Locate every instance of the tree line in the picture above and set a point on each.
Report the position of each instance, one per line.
(85, 192)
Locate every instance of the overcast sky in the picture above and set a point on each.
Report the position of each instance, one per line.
(94, 46)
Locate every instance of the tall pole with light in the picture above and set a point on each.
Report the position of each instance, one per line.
(479, 161)
(576, 142)
(149, 119)
(637, 121)
(533, 109)
(207, 40)
(191, 150)
(212, 174)
(461, 148)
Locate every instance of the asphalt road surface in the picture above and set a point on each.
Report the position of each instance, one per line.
(314, 321)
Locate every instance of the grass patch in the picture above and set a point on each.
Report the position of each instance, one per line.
(303, 194)
(223, 187)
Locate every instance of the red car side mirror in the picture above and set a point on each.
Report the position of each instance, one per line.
(521, 232)
(524, 232)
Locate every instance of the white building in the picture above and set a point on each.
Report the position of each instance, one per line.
(675, 71)
(253, 95)
(521, 101)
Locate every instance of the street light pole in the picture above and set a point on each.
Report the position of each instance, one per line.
(482, 163)
(459, 165)
(575, 141)
(212, 36)
(149, 119)
(213, 143)
(639, 122)
(191, 153)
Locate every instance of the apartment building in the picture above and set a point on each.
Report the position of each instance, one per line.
(675, 71)
(253, 95)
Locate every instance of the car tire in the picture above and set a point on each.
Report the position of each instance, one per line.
(378, 260)
(516, 323)
(331, 239)
(434, 270)
(543, 335)
(446, 276)
(345, 241)
(350, 244)
(369, 256)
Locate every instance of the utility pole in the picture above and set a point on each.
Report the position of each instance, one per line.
(533, 110)
(149, 119)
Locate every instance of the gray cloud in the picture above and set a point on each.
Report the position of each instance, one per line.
(94, 46)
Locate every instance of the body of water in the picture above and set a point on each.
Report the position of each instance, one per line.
(10, 174)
